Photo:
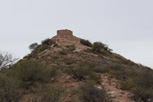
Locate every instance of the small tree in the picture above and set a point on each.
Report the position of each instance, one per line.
(7, 60)
(33, 46)
(85, 42)
(99, 47)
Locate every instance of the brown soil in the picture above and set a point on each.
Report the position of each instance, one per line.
(111, 85)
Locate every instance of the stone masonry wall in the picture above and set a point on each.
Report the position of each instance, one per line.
(64, 33)
(65, 37)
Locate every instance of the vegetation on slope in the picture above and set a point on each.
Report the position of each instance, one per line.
(62, 74)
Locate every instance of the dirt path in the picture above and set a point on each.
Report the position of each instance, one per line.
(111, 86)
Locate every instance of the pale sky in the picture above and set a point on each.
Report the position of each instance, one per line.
(125, 25)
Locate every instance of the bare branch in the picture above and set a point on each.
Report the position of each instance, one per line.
(7, 60)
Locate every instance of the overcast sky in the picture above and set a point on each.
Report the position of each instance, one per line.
(125, 25)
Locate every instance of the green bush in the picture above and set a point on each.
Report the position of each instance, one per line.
(9, 89)
(33, 46)
(63, 52)
(93, 94)
(118, 72)
(43, 47)
(143, 95)
(48, 42)
(128, 85)
(34, 53)
(79, 73)
(69, 61)
(145, 79)
(145, 82)
(85, 42)
(30, 72)
(48, 93)
(82, 73)
(100, 48)
(140, 84)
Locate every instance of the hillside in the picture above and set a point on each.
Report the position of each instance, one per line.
(66, 68)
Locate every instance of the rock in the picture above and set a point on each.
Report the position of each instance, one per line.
(112, 94)
(99, 87)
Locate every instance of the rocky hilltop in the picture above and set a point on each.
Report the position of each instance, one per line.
(66, 68)
(65, 37)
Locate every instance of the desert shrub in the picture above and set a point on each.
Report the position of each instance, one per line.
(43, 47)
(101, 69)
(141, 84)
(116, 68)
(70, 47)
(69, 61)
(145, 83)
(5, 71)
(117, 71)
(100, 48)
(9, 89)
(34, 53)
(33, 46)
(52, 72)
(82, 73)
(79, 73)
(39, 48)
(97, 47)
(120, 75)
(49, 42)
(143, 95)
(145, 79)
(63, 52)
(95, 77)
(93, 94)
(127, 62)
(124, 61)
(48, 93)
(128, 85)
(30, 72)
(85, 42)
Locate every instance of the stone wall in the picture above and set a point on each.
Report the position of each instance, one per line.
(65, 37)
(64, 33)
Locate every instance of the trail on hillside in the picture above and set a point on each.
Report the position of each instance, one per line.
(111, 85)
